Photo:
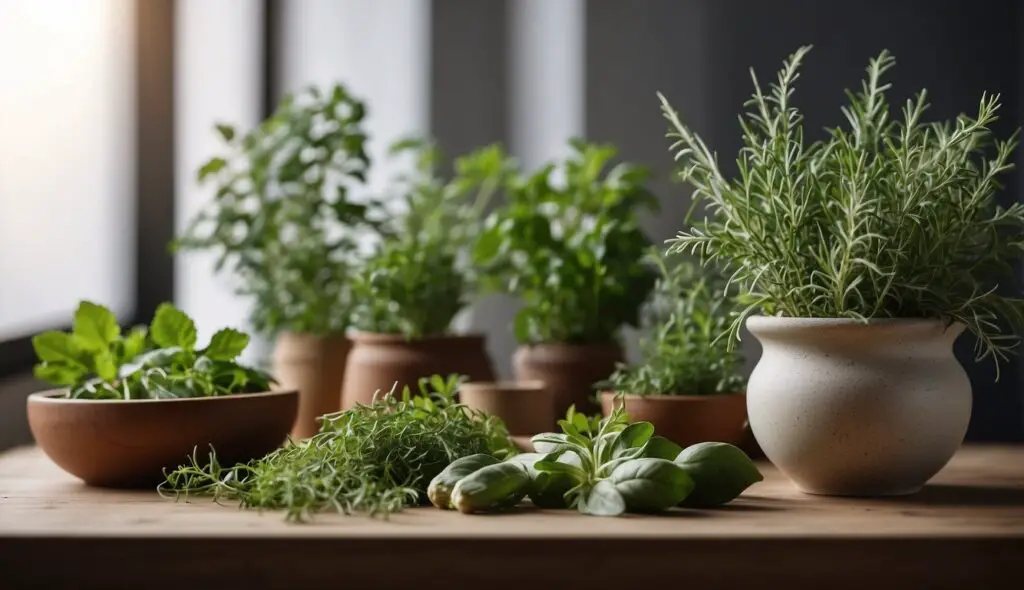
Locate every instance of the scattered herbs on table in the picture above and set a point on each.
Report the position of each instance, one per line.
(375, 459)
(97, 361)
(601, 467)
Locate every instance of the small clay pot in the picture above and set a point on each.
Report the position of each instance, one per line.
(526, 407)
(688, 419)
(129, 443)
(379, 361)
(315, 366)
(569, 371)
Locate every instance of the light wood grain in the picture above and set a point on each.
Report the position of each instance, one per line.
(968, 522)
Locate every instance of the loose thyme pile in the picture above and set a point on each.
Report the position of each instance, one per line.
(374, 459)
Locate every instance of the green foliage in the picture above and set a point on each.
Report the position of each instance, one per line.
(721, 473)
(94, 361)
(684, 353)
(887, 217)
(572, 253)
(282, 219)
(374, 459)
(616, 465)
(420, 276)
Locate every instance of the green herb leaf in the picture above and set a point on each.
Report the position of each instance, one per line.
(634, 436)
(133, 344)
(59, 373)
(95, 326)
(721, 473)
(440, 489)
(226, 344)
(212, 166)
(651, 485)
(172, 327)
(227, 132)
(602, 500)
(660, 447)
(59, 347)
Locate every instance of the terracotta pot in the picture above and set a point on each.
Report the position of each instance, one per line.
(569, 370)
(688, 419)
(526, 407)
(315, 366)
(854, 409)
(378, 361)
(128, 443)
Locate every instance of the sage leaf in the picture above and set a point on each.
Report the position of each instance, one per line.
(720, 471)
(171, 327)
(651, 485)
(95, 326)
(548, 489)
(492, 487)
(634, 436)
(549, 442)
(602, 500)
(226, 345)
(440, 489)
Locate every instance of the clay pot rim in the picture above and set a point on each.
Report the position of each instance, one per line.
(669, 398)
(50, 396)
(507, 386)
(393, 338)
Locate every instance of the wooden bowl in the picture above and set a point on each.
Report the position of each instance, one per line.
(129, 443)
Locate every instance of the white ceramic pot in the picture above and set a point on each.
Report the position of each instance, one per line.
(853, 409)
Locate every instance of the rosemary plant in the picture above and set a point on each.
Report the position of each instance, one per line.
(282, 219)
(683, 353)
(420, 276)
(885, 218)
(374, 459)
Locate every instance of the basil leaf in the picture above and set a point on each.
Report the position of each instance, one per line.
(226, 344)
(95, 326)
(651, 485)
(602, 500)
(548, 490)
(660, 447)
(721, 473)
(172, 328)
(634, 436)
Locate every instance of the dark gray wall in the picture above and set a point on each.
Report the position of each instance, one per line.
(698, 53)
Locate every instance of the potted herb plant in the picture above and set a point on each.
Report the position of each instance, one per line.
(573, 252)
(154, 394)
(689, 383)
(419, 277)
(283, 221)
(865, 254)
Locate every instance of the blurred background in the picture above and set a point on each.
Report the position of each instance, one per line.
(107, 108)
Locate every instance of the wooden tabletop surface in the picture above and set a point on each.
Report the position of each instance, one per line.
(964, 530)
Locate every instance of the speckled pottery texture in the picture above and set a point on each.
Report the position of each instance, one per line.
(852, 409)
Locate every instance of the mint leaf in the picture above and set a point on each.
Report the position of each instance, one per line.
(226, 344)
(59, 347)
(104, 365)
(95, 326)
(172, 327)
(133, 344)
(59, 373)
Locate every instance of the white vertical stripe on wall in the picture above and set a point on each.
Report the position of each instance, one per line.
(66, 160)
(218, 77)
(380, 50)
(546, 68)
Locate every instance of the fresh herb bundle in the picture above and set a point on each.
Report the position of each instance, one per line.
(684, 353)
(885, 218)
(573, 254)
(282, 218)
(374, 459)
(95, 361)
(421, 276)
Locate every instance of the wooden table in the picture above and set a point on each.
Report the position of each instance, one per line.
(964, 531)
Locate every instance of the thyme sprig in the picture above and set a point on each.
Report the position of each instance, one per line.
(374, 459)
